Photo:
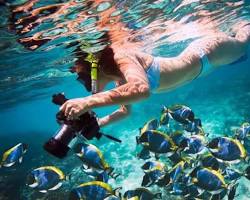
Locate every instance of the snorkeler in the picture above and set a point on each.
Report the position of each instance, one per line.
(138, 74)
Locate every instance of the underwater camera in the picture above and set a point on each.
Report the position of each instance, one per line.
(86, 126)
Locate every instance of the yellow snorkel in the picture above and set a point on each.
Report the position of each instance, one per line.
(94, 71)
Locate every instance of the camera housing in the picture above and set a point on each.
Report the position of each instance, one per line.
(86, 125)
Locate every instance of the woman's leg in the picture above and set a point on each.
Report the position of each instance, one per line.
(205, 54)
(243, 32)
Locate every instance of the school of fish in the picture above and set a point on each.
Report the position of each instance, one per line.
(179, 157)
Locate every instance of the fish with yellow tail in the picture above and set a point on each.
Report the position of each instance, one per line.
(243, 135)
(93, 162)
(94, 190)
(13, 155)
(157, 142)
(46, 178)
(155, 173)
(243, 132)
(227, 149)
(180, 113)
(208, 180)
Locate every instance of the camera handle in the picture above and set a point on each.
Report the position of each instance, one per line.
(60, 99)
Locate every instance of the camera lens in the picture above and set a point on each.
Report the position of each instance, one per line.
(56, 148)
(58, 145)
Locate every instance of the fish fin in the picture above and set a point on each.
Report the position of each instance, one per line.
(115, 175)
(157, 156)
(112, 174)
(158, 196)
(20, 159)
(33, 185)
(234, 184)
(217, 191)
(88, 171)
(146, 144)
(164, 181)
(79, 154)
(84, 166)
(99, 170)
(137, 140)
(117, 192)
(146, 180)
(43, 191)
(9, 164)
(68, 177)
(169, 114)
(216, 150)
(247, 159)
(56, 186)
(201, 191)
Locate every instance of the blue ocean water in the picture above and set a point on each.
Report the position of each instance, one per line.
(221, 100)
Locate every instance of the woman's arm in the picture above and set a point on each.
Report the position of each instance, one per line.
(135, 88)
(117, 115)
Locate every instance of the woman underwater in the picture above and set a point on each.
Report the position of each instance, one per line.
(138, 74)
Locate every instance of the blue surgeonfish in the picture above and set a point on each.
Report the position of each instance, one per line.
(243, 135)
(227, 149)
(194, 127)
(13, 155)
(196, 144)
(185, 188)
(94, 190)
(46, 178)
(208, 179)
(155, 173)
(157, 142)
(243, 132)
(180, 113)
(179, 139)
(142, 193)
(93, 159)
(178, 170)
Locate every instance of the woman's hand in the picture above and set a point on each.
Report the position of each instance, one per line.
(74, 108)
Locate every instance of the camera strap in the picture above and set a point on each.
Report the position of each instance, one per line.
(111, 138)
